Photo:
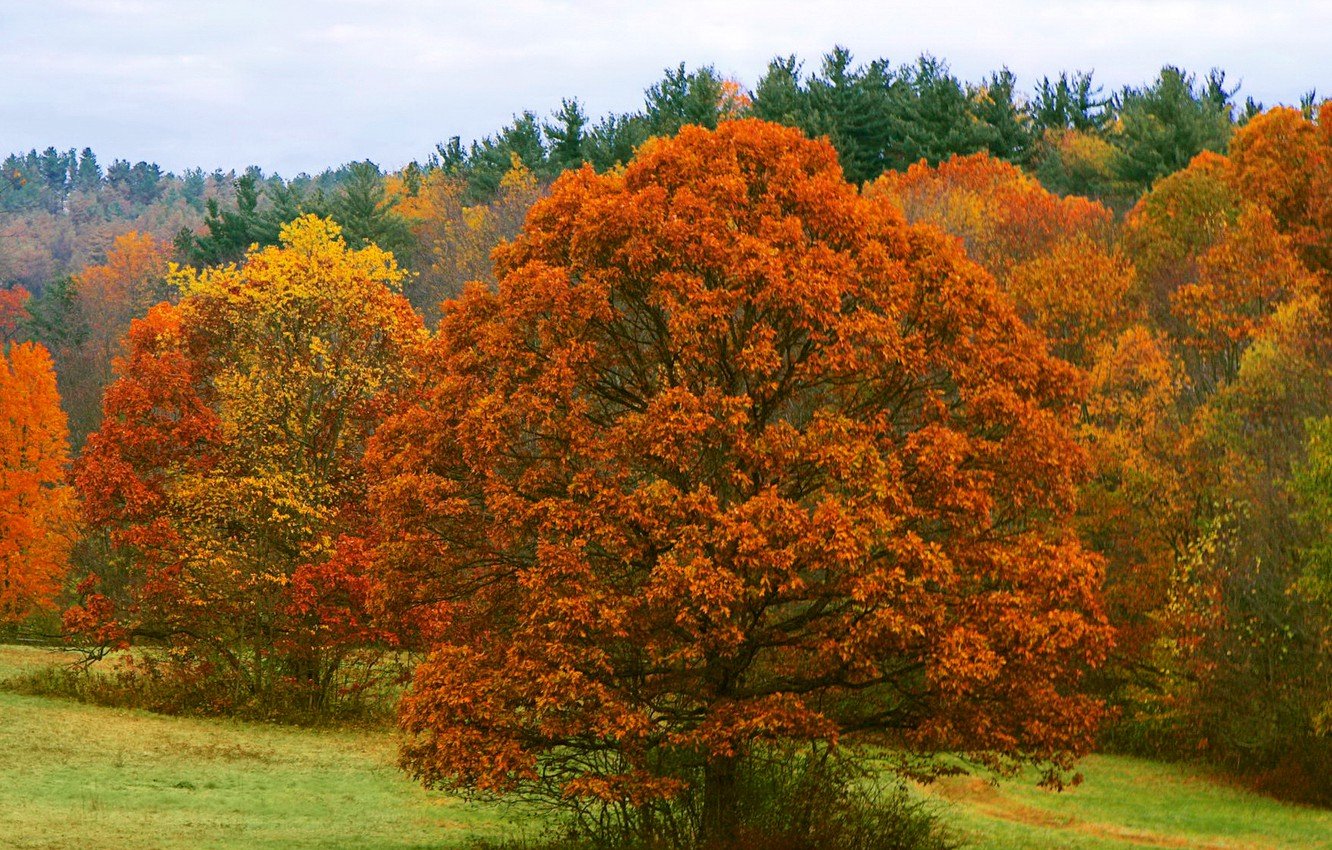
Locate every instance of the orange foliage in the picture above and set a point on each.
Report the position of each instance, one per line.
(132, 279)
(1183, 215)
(1215, 264)
(733, 453)
(1240, 281)
(1077, 293)
(1052, 255)
(1284, 162)
(13, 310)
(108, 297)
(37, 510)
(733, 101)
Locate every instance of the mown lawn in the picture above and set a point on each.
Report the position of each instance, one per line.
(80, 777)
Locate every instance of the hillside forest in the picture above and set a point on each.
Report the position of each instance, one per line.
(860, 411)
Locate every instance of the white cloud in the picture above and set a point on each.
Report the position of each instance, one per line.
(300, 86)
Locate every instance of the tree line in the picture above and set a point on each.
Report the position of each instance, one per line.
(812, 417)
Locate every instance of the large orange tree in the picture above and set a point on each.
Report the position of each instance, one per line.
(733, 454)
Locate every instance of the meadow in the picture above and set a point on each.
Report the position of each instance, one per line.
(82, 776)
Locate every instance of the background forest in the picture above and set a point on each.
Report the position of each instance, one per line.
(250, 371)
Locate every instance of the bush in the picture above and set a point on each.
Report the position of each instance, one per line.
(823, 800)
(792, 798)
(365, 691)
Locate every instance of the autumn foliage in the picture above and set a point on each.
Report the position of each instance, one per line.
(715, 455)
(228, 466)
(1054, 257)
(37, 510)
(732, 454)
(13, 310)
(454, 239)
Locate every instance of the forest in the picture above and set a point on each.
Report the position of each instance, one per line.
(670, 473)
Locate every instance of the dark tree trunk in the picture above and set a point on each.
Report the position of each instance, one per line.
(721, 809)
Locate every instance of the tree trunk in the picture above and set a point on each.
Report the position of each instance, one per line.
(720, 821)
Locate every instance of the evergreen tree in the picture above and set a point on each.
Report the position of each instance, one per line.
(145, 182)
(367, 217)
(1005, 128)
(566, 136)
(854, 107)
(1164, 125)
(780, 97)
(614, 139)
(230, 233)
(89, 173)
(682, 98)
(1070, 103)
(934, 121)
(491, 158)
(54, 167)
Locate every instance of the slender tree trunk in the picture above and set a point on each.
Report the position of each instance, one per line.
(720, 803)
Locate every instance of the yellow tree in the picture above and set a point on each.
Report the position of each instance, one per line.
(228, 464)
(455, 239)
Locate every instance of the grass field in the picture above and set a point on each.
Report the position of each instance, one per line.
(79, 777)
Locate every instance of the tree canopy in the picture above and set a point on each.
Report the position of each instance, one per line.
(732, 454)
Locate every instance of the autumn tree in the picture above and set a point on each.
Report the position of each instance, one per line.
(1283, 161)
(37, 509)
(1054, 256)
(454, 239)
(107, 296)
(733, 454)
(1241, 280)
(13, 312)
(1137, 510)
(227, 467)
(1214, 265)
(1249, 672)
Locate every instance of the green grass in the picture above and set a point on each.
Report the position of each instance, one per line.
(76, 776)
(81, 777)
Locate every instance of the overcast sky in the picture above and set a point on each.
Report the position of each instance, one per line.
(299, 86)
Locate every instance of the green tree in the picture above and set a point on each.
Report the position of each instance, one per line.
(1006, 128)
(1072, 102)
(230, 233)
(935, 119)
(1163, 126)
(681, 98)
(89, 173)
(566, 136)
(488, 160)
(367, 215)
